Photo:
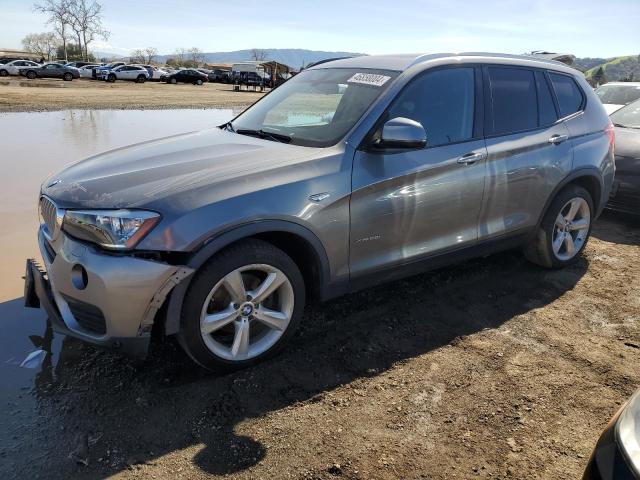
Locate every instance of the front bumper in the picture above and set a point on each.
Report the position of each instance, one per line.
(607, 461)
(115, 304)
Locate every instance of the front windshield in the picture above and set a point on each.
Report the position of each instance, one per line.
(316, 108)
(618, 94)
(628, 116)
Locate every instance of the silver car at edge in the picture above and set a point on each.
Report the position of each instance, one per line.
(355, 172)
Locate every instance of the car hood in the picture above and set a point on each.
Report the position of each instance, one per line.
(627, 142)
(139, 175)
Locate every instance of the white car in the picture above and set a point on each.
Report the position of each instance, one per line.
(135, 73)
(13, 68)
(87, 71)
(155, 72)
(615, 95)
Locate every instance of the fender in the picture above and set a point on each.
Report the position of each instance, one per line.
(220, 241)
(591, 172)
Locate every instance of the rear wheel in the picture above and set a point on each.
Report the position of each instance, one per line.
(173, 81)
(111, 78)
(242, 306)
(67, 77)
(564, 230)
(31, 75)
(141, 79)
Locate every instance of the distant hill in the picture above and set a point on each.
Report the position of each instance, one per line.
(617, 69)
(292, 57)
(588, 62)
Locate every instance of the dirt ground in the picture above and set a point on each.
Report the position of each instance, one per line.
(19, 94)
(493, 369)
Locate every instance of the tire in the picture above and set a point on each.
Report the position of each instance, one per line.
(564, 230)
(198, 82)
(3, 73)
(173, 81)
(31, 75)
(141, 79)
(67, 77)
(111, 78)
(256, 263)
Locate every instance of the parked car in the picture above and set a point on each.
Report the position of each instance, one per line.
(219, 75)
(626, 187)
(98, 71)
(79, 65)
(617, 453)
(615, 95)
(51, 70)
(13, 67)
(389, 166)
(186, 75)
(87, 70)
(134, 73)
(155, 73)
(204, 70)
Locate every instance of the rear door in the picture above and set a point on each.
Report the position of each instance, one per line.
(411, 204)
(529, 151)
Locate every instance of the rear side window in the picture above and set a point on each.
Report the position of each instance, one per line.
(443, 101)
(568, 94)
(546, 107)
(514, 99)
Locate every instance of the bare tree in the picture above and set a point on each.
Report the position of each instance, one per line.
(180, 55)
(86, 18)
(151, 52)
(137, 55)
(195, 55)
(59, 18)
(258, 55)
(43, 44)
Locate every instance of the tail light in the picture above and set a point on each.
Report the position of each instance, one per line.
(611, 133)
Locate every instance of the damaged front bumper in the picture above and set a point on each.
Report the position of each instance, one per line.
(108, 300)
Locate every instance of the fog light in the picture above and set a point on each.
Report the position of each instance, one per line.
(79, 277)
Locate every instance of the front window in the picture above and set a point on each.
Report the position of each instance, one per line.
(627, 117)
(316, 108)
(618, 94)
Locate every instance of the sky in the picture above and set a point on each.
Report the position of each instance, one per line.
(586, 28)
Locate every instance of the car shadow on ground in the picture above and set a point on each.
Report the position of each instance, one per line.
(115, 412)
(616, 227)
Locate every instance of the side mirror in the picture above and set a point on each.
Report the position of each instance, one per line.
(402, 132)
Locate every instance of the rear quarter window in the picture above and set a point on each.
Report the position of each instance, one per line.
(569, 95)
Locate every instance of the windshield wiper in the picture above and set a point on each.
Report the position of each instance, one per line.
(277, 137)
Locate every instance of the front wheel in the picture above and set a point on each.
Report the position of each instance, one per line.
(111, 78)
(564, 230)
(173, 81)
(67, 77)
(242, 306)
(3, 73)
(198, 82)
(141, 79)
(31, 75)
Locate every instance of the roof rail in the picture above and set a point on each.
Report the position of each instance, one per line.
(426, 57)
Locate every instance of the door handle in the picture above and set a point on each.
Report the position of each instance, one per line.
(471, 158)
(558, 139)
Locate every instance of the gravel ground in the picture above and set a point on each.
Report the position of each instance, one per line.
(493, 368)
(19, 94)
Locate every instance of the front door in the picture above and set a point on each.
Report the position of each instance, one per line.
(408, 205)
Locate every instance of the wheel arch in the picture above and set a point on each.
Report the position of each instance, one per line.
(297, 241)
(588, 178)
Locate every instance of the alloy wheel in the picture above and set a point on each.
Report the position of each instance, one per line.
(571, 228)
(247, 312)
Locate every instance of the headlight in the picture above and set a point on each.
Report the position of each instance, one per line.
(115, 229)
(628, 431)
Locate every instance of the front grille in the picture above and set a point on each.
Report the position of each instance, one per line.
(49, 213)
(88, 316)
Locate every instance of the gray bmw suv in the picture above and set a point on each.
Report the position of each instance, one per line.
(354, 172)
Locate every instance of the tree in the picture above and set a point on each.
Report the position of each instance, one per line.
(599, 77)
(43, 44)
(173, 62)
(59, 18)
(137, 55)
(195, 56)
(151, 53)
(180, 56)
(86, 21)
(258, 55)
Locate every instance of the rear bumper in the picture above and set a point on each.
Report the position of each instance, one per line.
(113, 306)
